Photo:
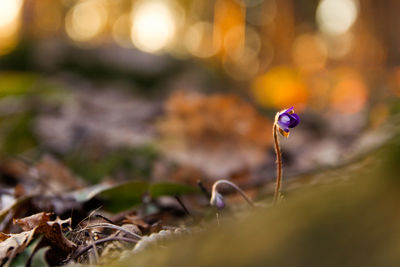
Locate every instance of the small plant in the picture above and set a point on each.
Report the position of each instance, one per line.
(284, 120)
(217, 199)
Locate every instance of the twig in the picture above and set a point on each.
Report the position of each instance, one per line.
(100, 241)
(182, 205)
(96, 253)
(112, 226)
(104, 218)
(203, 189)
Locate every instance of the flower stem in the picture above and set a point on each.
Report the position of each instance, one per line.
(278, 165)
(237, 188)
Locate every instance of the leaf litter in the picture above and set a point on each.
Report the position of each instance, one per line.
(62, 220)
(50, 216)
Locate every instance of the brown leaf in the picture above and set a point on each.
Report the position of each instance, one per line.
(14, 244)
(65, 224)
(218, 134)
(133, 219)
(16, 169)
(55, 238)
(4, 236)
(57, 176)
(38, 224)
(28, 223)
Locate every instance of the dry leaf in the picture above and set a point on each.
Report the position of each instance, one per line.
(57, 176)
(28, 223)
(35, 225)
(133, 219)
(218, 134)
(4, 236)
(14, 244)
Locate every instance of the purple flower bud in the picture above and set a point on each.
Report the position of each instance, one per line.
(217, 200)
(287, 119)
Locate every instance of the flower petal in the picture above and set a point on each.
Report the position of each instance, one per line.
(284, 120)
(283, 133)
(289, 110)
(294, 120)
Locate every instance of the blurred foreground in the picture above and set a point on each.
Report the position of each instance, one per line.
(351, 224)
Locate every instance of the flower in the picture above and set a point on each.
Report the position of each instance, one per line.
(217, 200)
(286, 119)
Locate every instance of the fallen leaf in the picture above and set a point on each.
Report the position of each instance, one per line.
(52, 236)
(4, 236)
(23, 258)
(218, 134)
(39, 259)
(14, 245)
(136, 220)
(122, 196)
(60, 246)
(57, 176)
(170, 189)
(28, 223)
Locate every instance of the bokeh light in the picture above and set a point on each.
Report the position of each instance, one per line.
(229, 21)
(261, 12)
(198, 40)
(153, 25)
(338, 46)
(241, 61)
(350, 92)
(336, 16)
(86, 20)
(309, 52)
(51, 23)
(242, 65)
(280, 87)
(121, 31)
(9, 10)
(9, 24)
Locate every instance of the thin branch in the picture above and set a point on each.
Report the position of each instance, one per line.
(111, 226)
(182, 205)
(96, 253)
(100, 241)
(203, 189)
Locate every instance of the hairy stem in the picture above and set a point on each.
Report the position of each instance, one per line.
(278, 165)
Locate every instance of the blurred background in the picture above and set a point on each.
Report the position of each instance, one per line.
(183, 90)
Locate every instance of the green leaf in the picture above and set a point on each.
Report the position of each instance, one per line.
(170, 189)
(39, 259)
(123, 196)
(22, 259)
(115, 197)
(90, 192)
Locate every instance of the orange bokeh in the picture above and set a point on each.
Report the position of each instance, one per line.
(279, 88)
(229, 23)
(350, 93)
